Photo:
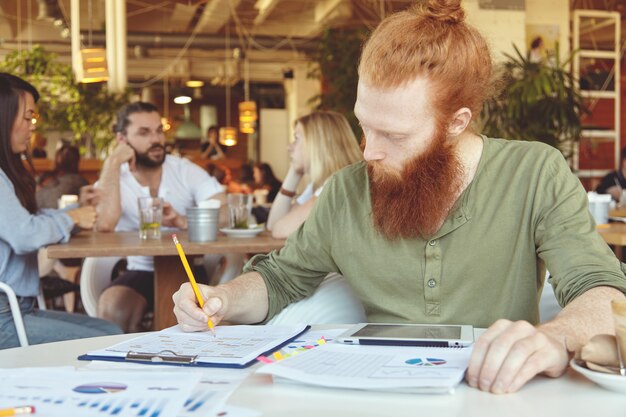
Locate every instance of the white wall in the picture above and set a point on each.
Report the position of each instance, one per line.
(503, 28)
(274, 135)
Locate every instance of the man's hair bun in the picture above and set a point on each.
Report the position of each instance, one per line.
(448, 11)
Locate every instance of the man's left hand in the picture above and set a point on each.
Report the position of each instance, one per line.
(509, 354)
(171, 218)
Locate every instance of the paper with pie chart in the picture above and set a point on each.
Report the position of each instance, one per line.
(382, 368)
(64, 391)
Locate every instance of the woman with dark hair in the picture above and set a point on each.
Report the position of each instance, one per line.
(24, 228)
(64, 179)
(265, 179)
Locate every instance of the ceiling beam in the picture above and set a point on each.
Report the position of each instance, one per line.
(264, 7)
(324, 10)
(215, 15)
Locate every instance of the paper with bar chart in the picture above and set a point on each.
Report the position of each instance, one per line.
(69, 392)
(237, 346)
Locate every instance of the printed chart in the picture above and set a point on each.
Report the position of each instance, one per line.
(66, 392)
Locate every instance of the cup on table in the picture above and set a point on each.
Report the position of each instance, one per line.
(619, 317)
(202, 224)
(150, 215)
(260, 196)
(599, 205)
(239, 210)
(66, 200)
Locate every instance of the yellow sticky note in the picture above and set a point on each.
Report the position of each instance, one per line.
(278, 356)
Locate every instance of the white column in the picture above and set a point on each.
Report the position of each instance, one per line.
(298, 91)
(120, 44)
(115, 14)
(77, 65)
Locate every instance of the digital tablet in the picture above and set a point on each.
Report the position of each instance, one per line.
(435, 335)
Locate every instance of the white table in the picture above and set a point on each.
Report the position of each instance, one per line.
(569, 396)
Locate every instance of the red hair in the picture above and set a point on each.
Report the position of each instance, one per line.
(431, 39)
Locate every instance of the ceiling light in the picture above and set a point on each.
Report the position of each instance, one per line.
(182, 100)
(194, 83)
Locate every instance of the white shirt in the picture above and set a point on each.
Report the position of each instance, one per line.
(183, 185)
(308, 193)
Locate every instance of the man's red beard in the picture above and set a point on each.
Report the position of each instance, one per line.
(415, 201)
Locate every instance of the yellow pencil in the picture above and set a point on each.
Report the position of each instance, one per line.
(192, 279)
(16, 411)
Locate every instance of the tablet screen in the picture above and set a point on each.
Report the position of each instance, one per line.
(410, 332)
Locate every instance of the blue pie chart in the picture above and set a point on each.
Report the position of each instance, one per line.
(425, 361)
(100, 388)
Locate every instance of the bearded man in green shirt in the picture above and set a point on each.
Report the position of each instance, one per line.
(439, 224)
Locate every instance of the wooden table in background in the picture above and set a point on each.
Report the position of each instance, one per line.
(614, 234)
(168, 270)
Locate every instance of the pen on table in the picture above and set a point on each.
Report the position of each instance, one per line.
(192, 279)
(16, 411)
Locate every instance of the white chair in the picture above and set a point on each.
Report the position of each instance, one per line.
(332, 303)
(95, 276)
(16, 312)
(548, 305)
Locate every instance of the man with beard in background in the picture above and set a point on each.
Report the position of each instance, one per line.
(440, 224)
(139, 167)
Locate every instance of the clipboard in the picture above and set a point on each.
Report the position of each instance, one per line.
(269, 339)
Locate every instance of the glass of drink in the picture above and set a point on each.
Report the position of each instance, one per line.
(150, 214)
(239, 209)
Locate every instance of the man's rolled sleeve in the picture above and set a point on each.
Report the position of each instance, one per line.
(575, 254)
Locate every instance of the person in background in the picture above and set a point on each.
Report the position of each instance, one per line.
(324, 143)
(25, 228)
(38, 145)
(63, 179)
(244, 182)
(441, 224)
(220, 173)
(614, 182)
(265, 179)
(211, 148)
(139, 167)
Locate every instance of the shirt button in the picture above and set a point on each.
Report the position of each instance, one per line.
(432, 283)
(432, 242)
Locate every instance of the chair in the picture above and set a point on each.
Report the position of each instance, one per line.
(332, 303)
(548, 305)
(95, 276)
(16, 312)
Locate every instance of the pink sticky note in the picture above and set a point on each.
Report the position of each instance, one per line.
(264, 359)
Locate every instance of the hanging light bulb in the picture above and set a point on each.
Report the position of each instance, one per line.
(227, 134)
(247, 108)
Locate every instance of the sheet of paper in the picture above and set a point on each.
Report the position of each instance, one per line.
(231, 345)
(411, 369)
(208, 397)
(67, 392)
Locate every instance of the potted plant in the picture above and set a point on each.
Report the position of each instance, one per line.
(87, 110)
(536, 101)
(337, 58)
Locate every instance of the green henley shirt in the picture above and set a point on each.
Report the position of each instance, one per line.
(524, 209)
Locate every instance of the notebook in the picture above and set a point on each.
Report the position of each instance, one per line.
(380, 368)
(231, 347)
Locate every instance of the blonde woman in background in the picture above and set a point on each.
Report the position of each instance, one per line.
(324, 143)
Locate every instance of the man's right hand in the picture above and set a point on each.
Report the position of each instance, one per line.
(123, 153)
(188, 313)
